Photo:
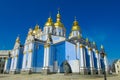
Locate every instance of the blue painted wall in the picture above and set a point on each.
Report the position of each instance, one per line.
(95, 60)
(20, 59)
(70, 51)
(38, 55)
(59, 52)
(9, 64)
(87, 59)
(102, 63)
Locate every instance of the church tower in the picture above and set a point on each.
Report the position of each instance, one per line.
(49, 26)
(75, 30)
(59, 27)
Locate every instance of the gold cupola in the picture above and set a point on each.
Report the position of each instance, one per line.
(18, 39)
(30, 31)
(36, 29)
(75, 26)
(58, 21)
(49, 22)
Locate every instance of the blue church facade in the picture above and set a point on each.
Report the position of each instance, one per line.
(49, 51)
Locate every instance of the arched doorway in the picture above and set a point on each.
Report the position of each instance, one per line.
(65, 67)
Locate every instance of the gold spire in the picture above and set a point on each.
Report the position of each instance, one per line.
(18, 39)
(75, 26)
(87, 40)
(49, 22)
(102, 47)
(36, 29)
(58, 21)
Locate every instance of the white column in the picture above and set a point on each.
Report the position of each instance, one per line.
(82, 57)
(24, 61)
(16, 58)
(106, 63)
(24, 57)
(30, 53)
(78, 51)
(5, 67)
(91, 60)
(29, 61)
(91, 57)
(46, 56)
(11, 66)
(83, 69)
(98, 59)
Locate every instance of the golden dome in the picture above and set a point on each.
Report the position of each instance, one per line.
(75, 26)
(49, 22)
(36, 29)
(58, 22)
(18, 39)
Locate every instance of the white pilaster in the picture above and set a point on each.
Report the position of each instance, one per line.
(30, 53)
(24, 61)
(91, 60)
(106, 63)
(83, 69)
(11, 66)
(6, 62)
(24, 66)
(81, 56)
(78, 51)
(97, 55)
(46, 55)
(46, 66)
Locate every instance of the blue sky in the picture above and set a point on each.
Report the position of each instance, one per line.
(99, 20)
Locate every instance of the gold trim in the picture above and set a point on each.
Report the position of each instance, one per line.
(46, 45)
(97, 52)
(90, 49)
(81, 46)
(24, 52)
(18, 39)
(31, 51)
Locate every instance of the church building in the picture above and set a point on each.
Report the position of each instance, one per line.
(50, 51)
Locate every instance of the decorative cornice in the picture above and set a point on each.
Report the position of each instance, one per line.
(90, 49)
(81, 46)
(30, 51)
(46, 45)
